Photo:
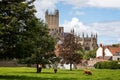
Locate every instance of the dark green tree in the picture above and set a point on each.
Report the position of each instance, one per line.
(15, 16)
(22, 34)
(45, 47)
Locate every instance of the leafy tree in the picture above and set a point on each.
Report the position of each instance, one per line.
(89, 54)
(45, 47)
(22, 35)
(15, 16)
(69, 50)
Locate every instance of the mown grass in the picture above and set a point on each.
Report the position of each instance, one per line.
(25, 73)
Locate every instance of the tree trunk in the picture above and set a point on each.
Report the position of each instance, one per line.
(75, 66)
(70, 66)
(39, 68)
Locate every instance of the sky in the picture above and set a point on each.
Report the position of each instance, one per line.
(101, 17)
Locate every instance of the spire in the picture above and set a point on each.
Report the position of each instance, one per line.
(83, 35)
(78, 35)
(46, 13)
(57, 12)
(72, 31)
(91, 35)
(96, 35)
(87, 35)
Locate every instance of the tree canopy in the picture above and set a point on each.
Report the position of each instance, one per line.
(22, 35)
(15, 16)
(69, 49)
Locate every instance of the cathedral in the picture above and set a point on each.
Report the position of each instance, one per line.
(52, 21)
(57, 32)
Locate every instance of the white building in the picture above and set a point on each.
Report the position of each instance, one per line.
(108, 52)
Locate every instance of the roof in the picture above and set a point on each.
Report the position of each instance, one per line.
(66, 34)
(114, 50)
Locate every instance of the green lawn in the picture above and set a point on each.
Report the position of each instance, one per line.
(24, 73)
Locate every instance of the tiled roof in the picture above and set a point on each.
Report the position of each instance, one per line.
(114, 50)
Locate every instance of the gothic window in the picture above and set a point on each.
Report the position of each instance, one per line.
(87, 48)
(87, 44)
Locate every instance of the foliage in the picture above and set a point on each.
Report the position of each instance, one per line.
(22, 35)
(15, 31)
(43, 44)
(25, 73)
(115, 45)
(69, 50)
(89, 54)
(107, 65)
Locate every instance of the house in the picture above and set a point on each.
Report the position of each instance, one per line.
(108, 52)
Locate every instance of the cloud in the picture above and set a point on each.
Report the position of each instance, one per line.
(79, 13)
(94, 3)
(108, 32)
(76, 3)
(42, 5)
(119, 39)
(105, 3)
(110, 29)
(78, 26)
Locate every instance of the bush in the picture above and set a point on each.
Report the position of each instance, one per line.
(107, 65)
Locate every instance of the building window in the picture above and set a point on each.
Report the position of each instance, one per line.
(87, 48)
(117, 53)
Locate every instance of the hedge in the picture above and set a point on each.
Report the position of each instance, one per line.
(107, 65)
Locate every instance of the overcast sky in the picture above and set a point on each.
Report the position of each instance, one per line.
(88, 16)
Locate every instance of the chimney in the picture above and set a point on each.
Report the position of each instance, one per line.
(103, 48)
(101, 45)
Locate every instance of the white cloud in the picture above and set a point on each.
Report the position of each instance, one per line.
(42, 5)
(119, 39)
(78, 26)
(76, 3)
(79, 13)
(110, 29)
(108, 32)
(105, 3)
(94, 3)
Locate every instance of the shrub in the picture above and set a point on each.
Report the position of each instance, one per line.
(107, 65)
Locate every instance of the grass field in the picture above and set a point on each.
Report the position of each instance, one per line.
(24, 73)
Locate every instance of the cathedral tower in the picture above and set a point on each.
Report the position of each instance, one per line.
(52, 19)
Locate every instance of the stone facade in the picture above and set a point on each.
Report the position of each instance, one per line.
(52, 20)
(87, 42)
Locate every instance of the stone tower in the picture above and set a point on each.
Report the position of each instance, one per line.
(52, 19)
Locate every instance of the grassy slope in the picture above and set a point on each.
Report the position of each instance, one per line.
(24, 73)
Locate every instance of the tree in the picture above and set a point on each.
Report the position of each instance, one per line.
(22, 35)
(68, 50)
(45, 47)
(89, 54)
(15, 16)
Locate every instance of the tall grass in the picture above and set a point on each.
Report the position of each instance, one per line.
(25, 73)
